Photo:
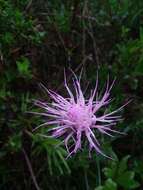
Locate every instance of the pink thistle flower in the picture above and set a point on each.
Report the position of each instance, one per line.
(76, 117)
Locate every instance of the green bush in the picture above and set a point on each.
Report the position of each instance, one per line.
(38, 40)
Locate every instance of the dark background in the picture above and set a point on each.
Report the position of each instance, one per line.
(38, 40)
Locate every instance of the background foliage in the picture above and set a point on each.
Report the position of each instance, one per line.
(38, 39)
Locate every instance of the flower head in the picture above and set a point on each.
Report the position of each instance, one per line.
(76, 118)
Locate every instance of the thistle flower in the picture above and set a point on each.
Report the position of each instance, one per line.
(76, 118)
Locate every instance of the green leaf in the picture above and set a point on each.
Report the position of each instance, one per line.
(99, 188)
(50, 164)
(15, 142)
(139, 67)
(23, 67)
(63, 160)
(8, 38)
(123, 165)
(110, 185)
(110, 172)
(127, 181)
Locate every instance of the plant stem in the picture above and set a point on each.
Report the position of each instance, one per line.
(98, 171)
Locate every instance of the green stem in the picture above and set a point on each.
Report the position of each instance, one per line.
(98, 171)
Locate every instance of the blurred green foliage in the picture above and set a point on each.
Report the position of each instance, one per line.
(38, 39)
(119, 174)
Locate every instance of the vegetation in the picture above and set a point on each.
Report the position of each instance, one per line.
(38, 40)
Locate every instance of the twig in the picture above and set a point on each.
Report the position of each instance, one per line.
(30, 169)
(98, 170)
(28, 6)
(86, 180)
(83, 30)
(93, 19)
(69, 77)
(94, 45)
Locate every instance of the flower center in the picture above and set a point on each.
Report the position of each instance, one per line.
(80, 115)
